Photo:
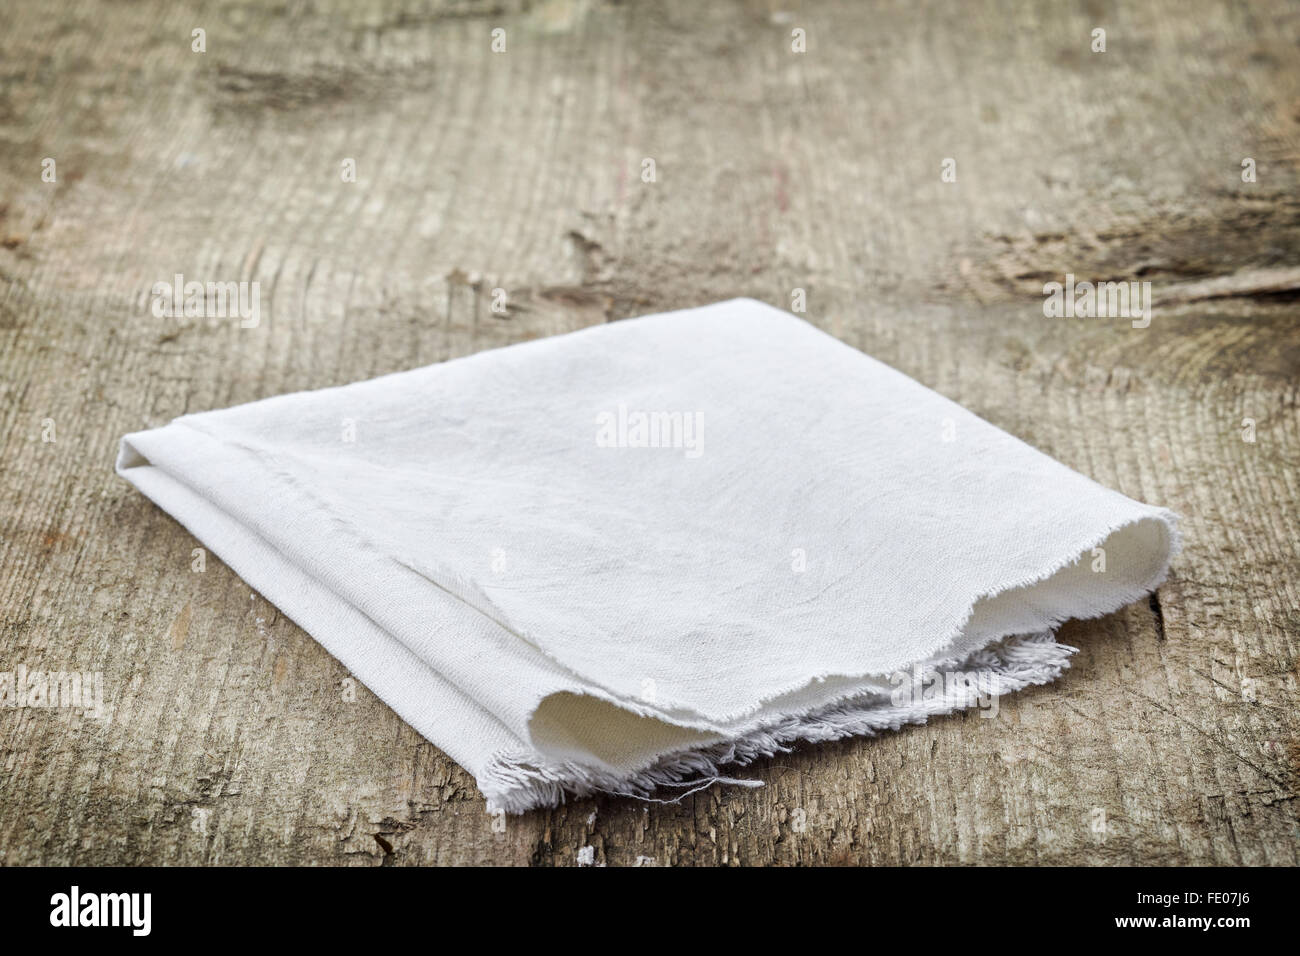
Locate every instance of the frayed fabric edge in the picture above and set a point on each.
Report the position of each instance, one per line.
(517, 783)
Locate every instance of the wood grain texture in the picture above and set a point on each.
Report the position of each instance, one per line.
(228, 737)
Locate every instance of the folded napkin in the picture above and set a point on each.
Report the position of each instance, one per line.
(624, 559)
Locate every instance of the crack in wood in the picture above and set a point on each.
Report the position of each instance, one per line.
(1159, 612)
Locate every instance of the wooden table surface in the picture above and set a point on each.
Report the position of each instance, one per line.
(226, 735)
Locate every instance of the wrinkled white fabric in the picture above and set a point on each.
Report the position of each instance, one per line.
(633, 555)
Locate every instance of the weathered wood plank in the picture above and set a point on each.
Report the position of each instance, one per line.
(229, 736)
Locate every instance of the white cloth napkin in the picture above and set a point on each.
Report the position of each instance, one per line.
(626, 558)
